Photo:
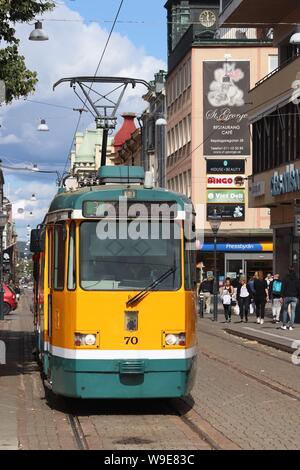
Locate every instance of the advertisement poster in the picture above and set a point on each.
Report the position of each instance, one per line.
(228, 212)
(225, 90)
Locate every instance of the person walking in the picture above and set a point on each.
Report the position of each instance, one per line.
(261, 296)
(290, 295)
(206, 289)
(275, 289)
(269, 279)
(226, 295)
(244, 295)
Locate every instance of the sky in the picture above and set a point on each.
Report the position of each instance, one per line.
(78, 30)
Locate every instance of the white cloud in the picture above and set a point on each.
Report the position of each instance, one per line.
(9, 139)
(73, 49)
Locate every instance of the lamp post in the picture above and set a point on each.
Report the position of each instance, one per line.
(3, 221)
(215, 221)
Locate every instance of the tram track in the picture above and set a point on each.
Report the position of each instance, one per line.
(271, 384)
(77, 432)
(244, 346)
(179, 412)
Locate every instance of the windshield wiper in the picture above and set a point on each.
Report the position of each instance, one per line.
(151, 287)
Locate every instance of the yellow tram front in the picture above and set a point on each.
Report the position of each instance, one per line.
(117, 315)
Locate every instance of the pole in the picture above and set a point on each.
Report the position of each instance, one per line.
(215, 288)
(104, 147)
(1, 275)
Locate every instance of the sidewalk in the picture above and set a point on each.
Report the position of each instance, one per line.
(269, 333)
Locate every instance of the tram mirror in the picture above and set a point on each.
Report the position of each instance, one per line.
(36, 241)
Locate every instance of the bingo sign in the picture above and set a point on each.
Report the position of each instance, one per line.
(226, 126)
(217, 181)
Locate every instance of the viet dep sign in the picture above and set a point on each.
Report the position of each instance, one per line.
(225, 88)
(225, 167)
(225, 196)
(217, 181)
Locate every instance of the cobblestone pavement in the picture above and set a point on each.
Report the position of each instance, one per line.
(246, 396)
(257, 409)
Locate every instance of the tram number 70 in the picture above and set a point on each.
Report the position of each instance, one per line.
(131, 339)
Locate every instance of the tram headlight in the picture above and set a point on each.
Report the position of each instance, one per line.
(175, 339)
(81, 339)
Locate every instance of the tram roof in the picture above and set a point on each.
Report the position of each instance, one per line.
(74, 200)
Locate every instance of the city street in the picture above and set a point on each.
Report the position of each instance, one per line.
(246, 396)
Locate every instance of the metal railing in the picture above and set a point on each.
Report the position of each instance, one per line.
(234, 34)
(278, 69)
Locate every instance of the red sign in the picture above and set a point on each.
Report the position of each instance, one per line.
(215, 181)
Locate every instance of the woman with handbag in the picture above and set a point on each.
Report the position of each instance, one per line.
(226, 294)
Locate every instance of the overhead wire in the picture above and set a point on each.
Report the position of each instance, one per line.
(90, 88)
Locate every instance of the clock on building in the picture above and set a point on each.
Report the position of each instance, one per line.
(207, 18)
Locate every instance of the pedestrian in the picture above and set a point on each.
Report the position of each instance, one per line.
(275, 294)
(261, 296)
(226, 295)
(290, 296)
(244, 295)
(17, 291)
(269, 279)
(206, 289)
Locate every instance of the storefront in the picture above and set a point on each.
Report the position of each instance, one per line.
(235, 259)
(279, 189)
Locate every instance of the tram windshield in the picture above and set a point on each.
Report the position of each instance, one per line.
(129, 255)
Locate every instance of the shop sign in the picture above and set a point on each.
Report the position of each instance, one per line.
(225, 167)
(287, 182)
(258, 189)
(216, 181)
(226, 125)
(238, 247)
(228, 212)
(225, 196)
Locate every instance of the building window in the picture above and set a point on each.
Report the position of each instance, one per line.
(189, 127)
(189, 189)
(273, 62)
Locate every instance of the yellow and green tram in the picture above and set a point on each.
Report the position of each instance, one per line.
(115, 304)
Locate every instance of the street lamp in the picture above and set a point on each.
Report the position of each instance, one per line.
(3, 221)
(43, 126)
(215, 221)
(295, 38)
(38, 34)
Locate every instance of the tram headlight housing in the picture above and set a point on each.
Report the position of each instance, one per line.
(83, 339)
(174, 339)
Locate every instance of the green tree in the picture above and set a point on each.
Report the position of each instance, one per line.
(19, 81)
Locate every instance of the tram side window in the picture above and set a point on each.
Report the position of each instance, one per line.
(72, 258)
(50, 257)
(59, 253)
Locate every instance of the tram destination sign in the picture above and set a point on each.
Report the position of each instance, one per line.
(225, 167)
